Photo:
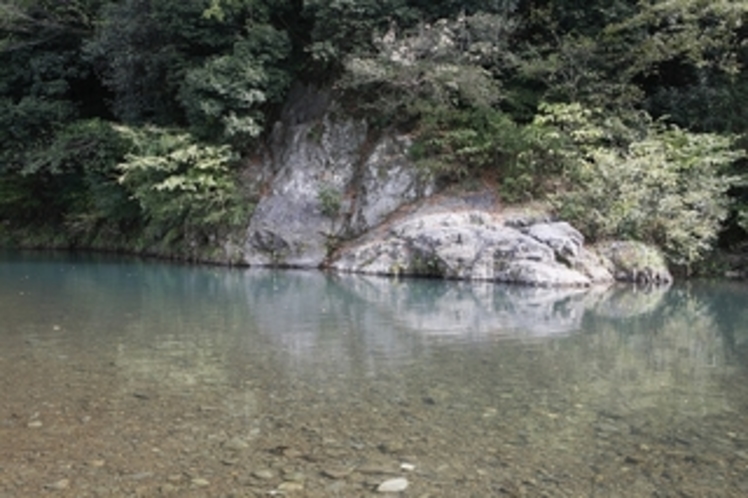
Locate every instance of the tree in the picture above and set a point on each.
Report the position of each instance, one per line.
(41, 72)
(225, 97)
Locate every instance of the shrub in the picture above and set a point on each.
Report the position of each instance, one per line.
(186, 190)
(224, 98)
(664, 185)
(330, 200)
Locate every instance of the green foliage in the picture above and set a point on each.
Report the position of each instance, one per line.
(88, 151)
(431, 75)
(743, 217)
(712, 103)
(70, 181)
(224, 97)
(28, 15)
(186, 190)
(330, 200)
(136, 59)
(217, 65)
(544, 96)
(357, 28)
(459, 143)
(431, 10)
(702, 33)
(687, 56)
(26, 123)
(226, 11)
(39, 66)
(664, 185)
(344, 27)
(90, 145)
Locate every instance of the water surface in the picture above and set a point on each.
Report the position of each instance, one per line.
(123, 377)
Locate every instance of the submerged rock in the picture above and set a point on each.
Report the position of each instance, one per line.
(58, 485)
(236, 445)
(291, 487)
(396, 485)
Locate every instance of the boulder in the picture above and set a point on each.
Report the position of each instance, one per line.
(475, 244)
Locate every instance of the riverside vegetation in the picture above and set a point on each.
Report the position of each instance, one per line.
(127, 124)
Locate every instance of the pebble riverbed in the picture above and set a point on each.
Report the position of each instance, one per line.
(460, 425)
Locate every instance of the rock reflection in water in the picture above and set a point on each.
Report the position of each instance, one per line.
(386, 313)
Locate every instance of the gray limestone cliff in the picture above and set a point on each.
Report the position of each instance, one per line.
(334, 193)
(327, 177)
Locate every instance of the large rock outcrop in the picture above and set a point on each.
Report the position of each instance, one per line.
(333, 193)
(474, 244)
(326, 177)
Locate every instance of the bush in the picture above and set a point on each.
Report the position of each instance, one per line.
(663, 185)
(186, 190)
(330, 200)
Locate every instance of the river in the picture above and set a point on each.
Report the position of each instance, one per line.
(128, 377)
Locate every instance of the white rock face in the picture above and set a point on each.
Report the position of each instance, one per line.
(388, 181)
(314, 151)
(476, 245)
(289, 225)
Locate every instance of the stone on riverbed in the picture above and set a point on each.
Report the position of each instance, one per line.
(199, 482)
(236, 445)
(58, 485)
(396, 485)
(264, 474)
(290, 487)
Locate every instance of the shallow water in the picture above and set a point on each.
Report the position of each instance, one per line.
(122, 377)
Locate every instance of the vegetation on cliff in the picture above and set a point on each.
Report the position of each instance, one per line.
(125, 123)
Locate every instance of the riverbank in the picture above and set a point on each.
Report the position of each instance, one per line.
(457, 234)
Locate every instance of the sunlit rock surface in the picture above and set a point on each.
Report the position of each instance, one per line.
(325, 177)
(477, 245)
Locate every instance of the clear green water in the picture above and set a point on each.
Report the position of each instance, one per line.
(121, 377)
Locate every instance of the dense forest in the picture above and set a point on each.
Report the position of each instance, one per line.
(125, 124)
